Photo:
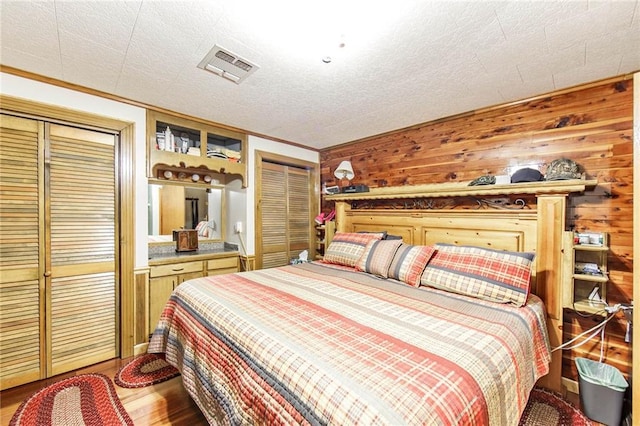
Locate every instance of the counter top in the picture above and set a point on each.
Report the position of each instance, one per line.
(163, 258)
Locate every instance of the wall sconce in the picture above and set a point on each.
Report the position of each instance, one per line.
(344, 171)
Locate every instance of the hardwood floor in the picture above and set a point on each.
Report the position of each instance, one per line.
(166, 403)
(162, 404)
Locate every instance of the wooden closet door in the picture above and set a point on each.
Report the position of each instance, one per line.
(81, 247)
(298, 211)
(284, 214)
(21, 235)
(172, 208)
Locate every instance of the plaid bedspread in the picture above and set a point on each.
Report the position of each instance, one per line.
(318, 344)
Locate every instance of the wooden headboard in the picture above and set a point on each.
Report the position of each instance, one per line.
(516, 217)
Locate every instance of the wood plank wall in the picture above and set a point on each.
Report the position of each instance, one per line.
(591, 125)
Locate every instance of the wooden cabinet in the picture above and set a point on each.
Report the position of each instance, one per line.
(193, 151)
(163, 279)
(225, 265)
(168, 273)
(586, 271)
(324, 235)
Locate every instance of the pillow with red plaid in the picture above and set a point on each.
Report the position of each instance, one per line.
(499, 276)
(347, 248)
(409, 263)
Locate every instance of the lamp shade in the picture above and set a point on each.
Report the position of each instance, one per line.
(344, 171)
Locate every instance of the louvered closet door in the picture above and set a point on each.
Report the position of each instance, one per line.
(284, 212)
(21, 285)
(298, 205)
(81, 247)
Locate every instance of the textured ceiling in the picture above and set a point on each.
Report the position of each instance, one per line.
(403, 62)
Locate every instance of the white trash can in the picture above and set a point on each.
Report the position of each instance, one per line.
(602, 389)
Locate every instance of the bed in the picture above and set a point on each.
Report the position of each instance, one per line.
(364, 339)
(315, 344)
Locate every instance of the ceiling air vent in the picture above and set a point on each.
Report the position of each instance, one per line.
(226, 64)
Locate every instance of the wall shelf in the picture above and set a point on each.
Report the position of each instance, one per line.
(324, 235)
(462, 189)
(586, 273)
(197, 148)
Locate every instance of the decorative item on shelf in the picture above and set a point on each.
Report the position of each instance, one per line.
(345, 171)
(195, 177)
(589, 238)
(563, 169)
(483, 180)
(184, 143)
(355, 188)
(216, 153)
(587, 268)
(169, 140)
(186, 240)
(527, 174)
(167, 174)
(330, 190)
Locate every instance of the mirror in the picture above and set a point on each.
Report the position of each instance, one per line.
(181, 206)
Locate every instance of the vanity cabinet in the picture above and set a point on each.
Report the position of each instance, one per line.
(167, 273)
(225, 265)
(181, 149)
(163, 279)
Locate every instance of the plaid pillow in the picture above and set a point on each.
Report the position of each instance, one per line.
(499, 276)
(409, 263)
(346, 248)
(377, 257)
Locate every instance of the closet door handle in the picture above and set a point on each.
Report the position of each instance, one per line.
(47, 274)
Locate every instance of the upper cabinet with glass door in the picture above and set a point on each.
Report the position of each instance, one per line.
(183, 149)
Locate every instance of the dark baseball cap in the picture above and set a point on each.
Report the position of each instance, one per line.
(526, 175)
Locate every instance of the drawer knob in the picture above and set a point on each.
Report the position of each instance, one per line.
(177, 269)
